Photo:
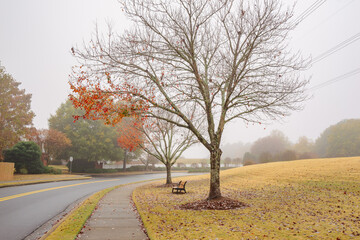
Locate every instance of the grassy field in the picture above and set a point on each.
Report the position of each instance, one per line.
(304, 199)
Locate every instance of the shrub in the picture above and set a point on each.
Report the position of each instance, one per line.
(52, 170)
(137, 168)
(98, 170)
(23, 171)
(25, 155)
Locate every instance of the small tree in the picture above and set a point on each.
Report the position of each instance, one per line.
(166, 142)
(53, 142)
(25, 155)
(147, 160)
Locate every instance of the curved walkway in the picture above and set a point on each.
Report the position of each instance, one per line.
(115, 218)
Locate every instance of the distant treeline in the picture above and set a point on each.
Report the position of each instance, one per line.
(339, 140)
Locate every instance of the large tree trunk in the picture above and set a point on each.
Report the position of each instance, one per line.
(125, 159)
(168, 174)
(215, 174)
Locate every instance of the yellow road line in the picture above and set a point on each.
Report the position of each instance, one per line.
(49, 189)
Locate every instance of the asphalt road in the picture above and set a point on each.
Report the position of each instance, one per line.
(22, 214)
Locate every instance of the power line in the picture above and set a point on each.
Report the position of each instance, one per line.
(308, 11)
(329, 17)
(336, 48)
(336, 79)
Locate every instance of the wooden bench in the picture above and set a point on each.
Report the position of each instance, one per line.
(180, 187)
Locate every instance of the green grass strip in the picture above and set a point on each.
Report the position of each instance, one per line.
(70, 227)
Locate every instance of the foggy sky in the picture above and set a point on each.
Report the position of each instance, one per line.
(36, 37)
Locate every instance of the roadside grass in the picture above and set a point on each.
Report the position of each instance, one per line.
(304, 199)
(30, 177)
(70, 227)
(21, 179)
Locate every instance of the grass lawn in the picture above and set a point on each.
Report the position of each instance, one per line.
(304, 199)
(63, 168)
(36, 177)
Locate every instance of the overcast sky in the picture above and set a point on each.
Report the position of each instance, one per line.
(36, 37)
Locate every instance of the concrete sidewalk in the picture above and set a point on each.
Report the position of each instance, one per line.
(114, 217)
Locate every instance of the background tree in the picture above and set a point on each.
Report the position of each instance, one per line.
(15, 114)
(287, 155)
(26, 156)
(227, 161)
(166, 142)
(305, 148)
(266, 148)
(265, 157)
(56, 144)
(129, 137)
(226, 59)
(234, 150)
(340, 140)
(237, 161)
(91, 140)
(249, 159)
(148, 159)
(52, 142)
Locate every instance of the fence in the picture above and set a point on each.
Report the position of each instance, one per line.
(6, 171)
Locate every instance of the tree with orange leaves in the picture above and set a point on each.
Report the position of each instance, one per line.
(207, 61)
(130, 138)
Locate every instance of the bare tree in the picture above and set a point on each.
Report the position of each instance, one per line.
(166, 142)
(227, 59)
(148, 159)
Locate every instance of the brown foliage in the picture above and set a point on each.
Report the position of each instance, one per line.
(52, 142)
